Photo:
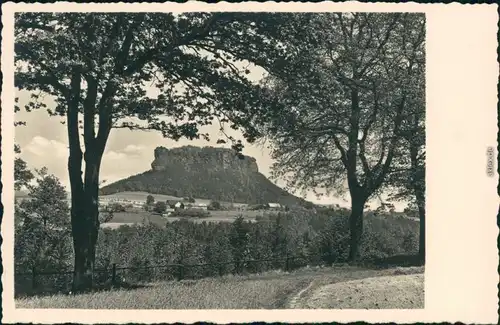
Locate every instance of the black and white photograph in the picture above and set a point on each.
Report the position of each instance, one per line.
(219, 160)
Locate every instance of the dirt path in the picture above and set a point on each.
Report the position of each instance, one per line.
(295, 302)
(383, 292)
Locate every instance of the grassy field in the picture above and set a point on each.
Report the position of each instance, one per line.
(272, 290)
(138, 216)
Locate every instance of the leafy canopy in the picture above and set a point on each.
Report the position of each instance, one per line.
(343, 102)
(196, 63)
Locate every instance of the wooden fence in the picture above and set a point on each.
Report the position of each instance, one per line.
(32, 282)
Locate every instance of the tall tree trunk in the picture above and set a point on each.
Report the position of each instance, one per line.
(79, 224)
(84, 193)
(421, 240)
(418, 185)
(85, 230)
(356, 226)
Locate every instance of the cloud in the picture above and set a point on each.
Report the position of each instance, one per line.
(42, 152)
(116, 164)
(119, 164)
(134, 149)
(41, 146)
(114, 156)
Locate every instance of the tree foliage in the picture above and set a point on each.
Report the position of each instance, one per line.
(346, 104)
(42, 234)
(97, 67)
(160, 207)
(346, 111)
(22, 175)
(215, 205)
(191, 59)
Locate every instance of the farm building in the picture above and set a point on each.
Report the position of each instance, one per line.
(274, 206)
(175, 204)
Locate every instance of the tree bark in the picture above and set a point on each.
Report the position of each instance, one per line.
(356, 226)
(84, 192)
(421, 240)
(419, 191)
(85, 234)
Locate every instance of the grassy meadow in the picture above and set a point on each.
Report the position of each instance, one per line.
(270, 290)
(134, 217)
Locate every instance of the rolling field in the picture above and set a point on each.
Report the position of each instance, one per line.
(131, 217)
(138, 216)
(333, 288)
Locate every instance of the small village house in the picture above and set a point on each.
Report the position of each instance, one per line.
(174, 204)
(274, 206)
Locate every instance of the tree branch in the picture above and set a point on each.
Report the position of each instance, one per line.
(89, 112)
(121, 58)
(75, 152)
(382, 171)
(152, 53)
(343, 154)
(51, 77)
(381, 45)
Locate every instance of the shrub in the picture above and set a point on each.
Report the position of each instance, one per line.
(190, 213)
(258, 207)
(160, 207)
(116, 207)
(214, 205)
(332, 243)
(42, 238)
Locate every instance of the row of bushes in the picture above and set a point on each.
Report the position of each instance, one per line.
(321, 238)
(190, 213)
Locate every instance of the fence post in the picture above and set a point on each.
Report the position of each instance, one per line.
(237, 267)
(181, 271)
(33, 277)
(113, 275)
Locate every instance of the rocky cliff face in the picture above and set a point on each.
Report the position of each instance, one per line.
(191, 158)
(205, 173)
